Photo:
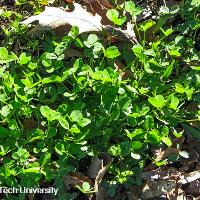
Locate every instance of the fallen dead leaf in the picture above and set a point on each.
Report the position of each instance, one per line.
(74, 179)
(161, 173)
(189, 177)
(98, 168)
(61, 21)
(161, 154)
(193, 188)
(157, 188)
(103, 3)
(30, 196)
(30, 124)
(53, 17)
(134, 192)
(101, 194)
(176, 194)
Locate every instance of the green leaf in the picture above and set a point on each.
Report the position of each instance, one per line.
(45, 111)
(195, 3)
(24, 59)
(91, 40)
(168, 71)
(59, 148)
(144, 26)
(153, 137)
(32, 65)
(167, 32)
(5, 111)
(32, 170)
(132, 121)
(84, 122)
(114, 150)
(158, 101)
(125, 148)
(149, 122)
(144, 110)
(112, 52)
(47, 62)
(174, 102)
(113, 15)
(86, 186)
(21, 154)
(76, 116)
(150, 52)
(195, 68)
(51, 132)
(135, 133)
(51, 56)
(174, 52)
(179, 88)
(165, 131)
(74, 32)
(45, 158)
(4, 132)
(131, 8)
(138, 50)
(189, 92)
(136, 145)
(78, 43)
(167, 141)
(64, 123)
(5, 57)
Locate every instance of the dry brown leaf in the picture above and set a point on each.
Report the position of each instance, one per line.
(101, 194)
(176, 194)
(157, 188)
(134, 192)
(53, 17)
(32, 158)
(76, 179)
(193, 188)
(103, 3)
(71, 181)
(161, 154)
(30, 196)
(30, 124)
(68, 1)
(161, 173)
(189, 177)
(98, 168)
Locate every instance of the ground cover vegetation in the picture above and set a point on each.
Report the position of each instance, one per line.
(58, 112)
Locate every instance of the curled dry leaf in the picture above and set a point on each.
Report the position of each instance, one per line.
(53, 17)
(161, 154)
(74, 179)
(30, 196)
(102, 193)
(29, 124)
(189, 177)
(68, 1)
(61, 21)
(176, 194)
(32, 158)
(125, 74)
(157, 188)
(193, 188)
(103, 3)
(161, 173)
(98, 168)
(134, 192)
